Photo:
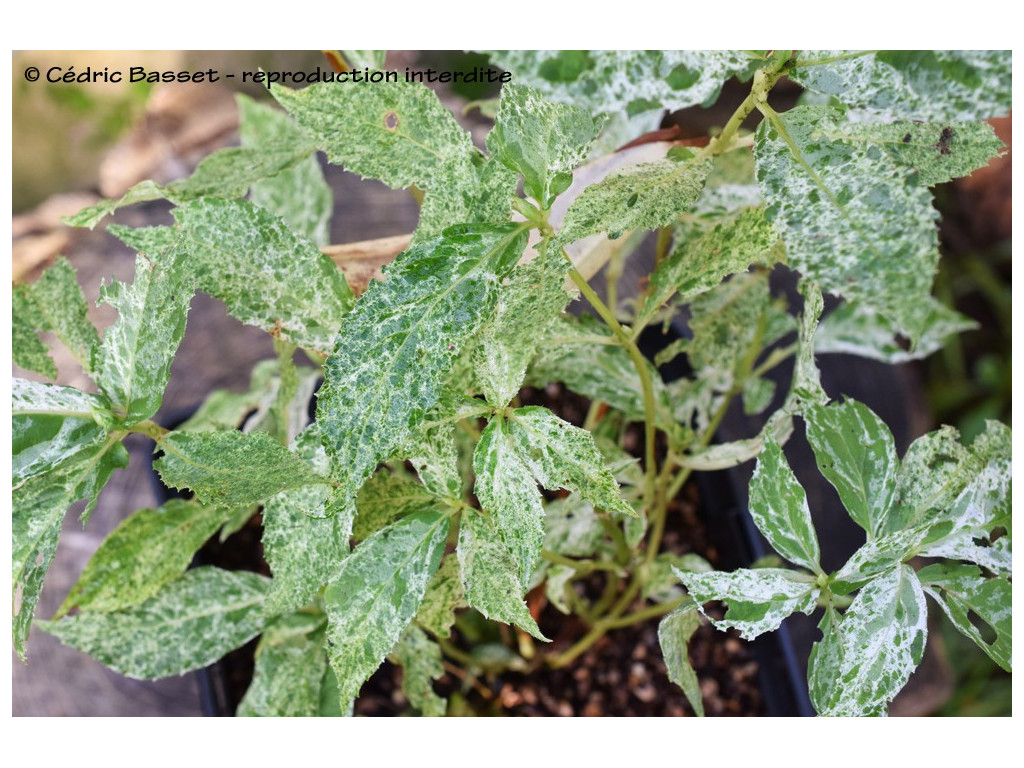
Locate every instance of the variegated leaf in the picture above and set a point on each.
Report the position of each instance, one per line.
(962, 591)
(290, 665)
(302, 544)
(674, 633)
(758, 600)
(883, 636)
(420, 658)
(854, 450)
(443, 597)
(191, 622)
(376, 593)
(563, 456)
(146, 551)
(396, 346)
(489, 574)
(778, 505)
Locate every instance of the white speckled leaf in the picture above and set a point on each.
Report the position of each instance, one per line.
(856, 329)
(508, 493)
(299, 194)
(401, 339)
(528, 308)
(807, 389)
(432, 451)
(854, 450)
(938, 152)
(225, 173)
(967, 529)
(878, 555)
(572, 527)
(465, 192)
(384, 498)
(54, 303)
(290, 665)
(883, 636)
(265, 274)
(38, 507)
(962, 590)
(489, 574)
(852, 219)
(134, 361)
(396, 132)
(778, 505)
(563, 456)
(420, 658)
(302, 544)
(825, 661)
(542, 140)
(644, 196)
(231, 467)
(726, 248)
(145, 552)
(443, 597)
(923, 85)
(758, 600)
(190, 623)
(674, 633)
(661, 584)
(633, 81)
(376, 593)
(53, 425)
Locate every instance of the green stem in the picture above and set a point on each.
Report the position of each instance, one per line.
(149, 428)
(640, 362)
(580, 566)
(652, 612)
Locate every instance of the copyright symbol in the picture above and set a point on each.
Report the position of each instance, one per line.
(32, 74)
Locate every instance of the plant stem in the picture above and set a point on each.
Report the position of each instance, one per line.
(640, 362)
(580, 566)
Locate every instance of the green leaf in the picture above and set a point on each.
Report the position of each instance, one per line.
(384, 498)
(674, 633)
(778, 505)
(365, 59)
(572, 527)
(432, 451)
(542, 140)
(376, 593)
(299, 195)
(146, 551)
(89, 217)
(290, 666)
(54, 303)
(806, 389)
(230, 467)
(726, 248)
(489, 574)
(876, 556)
(134, 361)
(883, 636)
(265, 274)
(617, 81)
(38, 506)
(644, 196)
(852, 219)
(301, 543)
(854, 450)
(398, 132)
(508, 493)
(962, 591)
(938, 152)
(398, 343)
(563, 456)
(922, 85)
(188, 624)
(758, 600)
(227, 410)
(443, 597)
(52, 426)
(856, 329)
(464, 192)
(529, 306)
(420, 658)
